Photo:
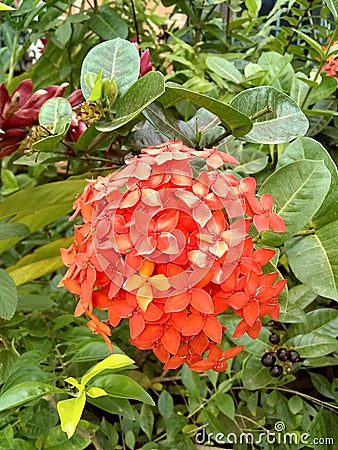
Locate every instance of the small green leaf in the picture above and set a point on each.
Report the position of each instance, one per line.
(75, 383)
(95, 392)
(9, 182)
(225, 404)
(24, 393)
(224, 69)
(8, 296)
(165, 404)
(108, 24)
(135, 100)
(115, 361)
(295, 404)
(57, 112)
(147, 420)
(70, 412)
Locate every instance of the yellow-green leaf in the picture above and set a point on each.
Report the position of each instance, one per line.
(95, 392)
(70, 412)
(111, 362)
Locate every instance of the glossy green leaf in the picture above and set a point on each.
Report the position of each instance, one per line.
(56, 439)
(235, 121)
(24, 393)
(63, 33)
(284, 123)
(327, 86)
(118, 59)
(147, 89)
(113, 405)
(225, 404)
(12, 230)
(121, 386)
(322, 384)
(8, 296)
(115, 361)
(224, 69)
(313, 345)
(70, 412)
(298, 191)
(108, 24)
(314, 260)
(322, 321)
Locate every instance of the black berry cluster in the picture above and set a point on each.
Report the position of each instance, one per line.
(279, 359)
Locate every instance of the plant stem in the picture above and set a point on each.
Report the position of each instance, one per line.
(268, 109)
(294, 32)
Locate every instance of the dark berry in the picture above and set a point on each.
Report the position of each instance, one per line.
(274, 338)
(268, 359)
(283, 354)
(294, 356)
(276, 370)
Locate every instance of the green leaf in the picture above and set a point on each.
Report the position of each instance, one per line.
(307, 148)
(321, 321)
(130, 439)
(9, 182)
(121, 386)
(118, 59)
(295, 404)
(313, 345)
(8, 296)
(43, 260)
(168, 125)
(255, 376)
(298, 191)
(224, 69)
(225, 404)
(312, 43)
(56, 439)
(24, 393)
(12, 230)
(56, 112)
(63, 33)
(147, 89)
(115, 361)
(327, 86)
(70, 412)
(119, 406)
(333, 6)
(322, 384)
(29, 201)
(250, 161)
(108, 24)
(284, 123)
(314, 260)
(235, 121)
(147, 420)
(95, 392)
(165, 404)
(4, 7)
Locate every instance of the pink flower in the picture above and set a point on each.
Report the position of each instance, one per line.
(145, 63)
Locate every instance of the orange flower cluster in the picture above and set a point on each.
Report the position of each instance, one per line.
(169, 249)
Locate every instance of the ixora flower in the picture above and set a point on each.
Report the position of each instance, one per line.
(170, 251)
(20, 111)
